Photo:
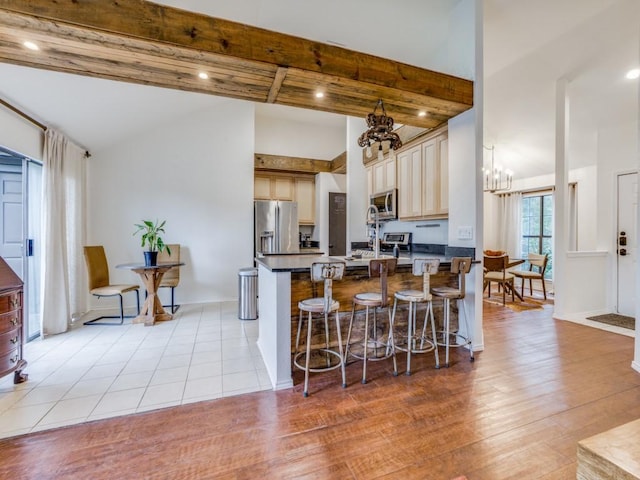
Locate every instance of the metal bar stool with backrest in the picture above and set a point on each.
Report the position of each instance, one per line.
(418, 343)
(538, 261)
(325, 272)
(381, 268)
(459, 266)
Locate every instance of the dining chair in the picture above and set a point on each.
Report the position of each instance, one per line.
(539, 262)
(171, 278)
(100, 286)
(495, 270)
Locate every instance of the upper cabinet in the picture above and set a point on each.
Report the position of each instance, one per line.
(381, 175)
(423, 179)
(273, 187)
(298, 188)
(305, 188)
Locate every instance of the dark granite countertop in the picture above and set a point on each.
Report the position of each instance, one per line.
(302, 263)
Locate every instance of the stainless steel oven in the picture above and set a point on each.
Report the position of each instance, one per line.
(386, 203)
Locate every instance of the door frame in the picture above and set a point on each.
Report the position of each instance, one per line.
(23, 169)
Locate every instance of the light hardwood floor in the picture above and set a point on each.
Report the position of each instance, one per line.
(517, 412)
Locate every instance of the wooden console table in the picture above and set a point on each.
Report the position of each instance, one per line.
(152, 310)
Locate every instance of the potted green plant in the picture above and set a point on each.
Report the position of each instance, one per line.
(152, 240)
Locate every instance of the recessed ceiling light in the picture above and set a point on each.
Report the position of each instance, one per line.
(31, 45)
(633, 74)
(422, 113)
(319, 95)
(203, 75)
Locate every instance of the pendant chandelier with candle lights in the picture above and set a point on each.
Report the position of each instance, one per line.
(495, 179)
(380, 129)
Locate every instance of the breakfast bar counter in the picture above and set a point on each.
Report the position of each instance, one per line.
(285, 280)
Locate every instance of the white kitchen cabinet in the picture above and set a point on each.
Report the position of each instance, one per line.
(261, 187)
(273, 187)
(305, 196)
(410, 182)
(299, 188)
(381, 175)
(423, 179)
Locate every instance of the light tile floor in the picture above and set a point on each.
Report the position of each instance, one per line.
(94, 372)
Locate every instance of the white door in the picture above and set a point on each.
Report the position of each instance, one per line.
(11, 220)
(626, 243)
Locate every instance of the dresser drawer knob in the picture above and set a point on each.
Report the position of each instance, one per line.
(14, 321)
(14, 303)
(14, 359)
(14, 340)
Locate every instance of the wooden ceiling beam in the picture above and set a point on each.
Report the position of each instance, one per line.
(142, 42)
(281, 163)
(277, 84)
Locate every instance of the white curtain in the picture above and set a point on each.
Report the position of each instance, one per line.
(510, 224)
(63, 185)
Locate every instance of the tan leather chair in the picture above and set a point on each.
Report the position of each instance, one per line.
(540, 263)
(171, 278)
(495, 270)
(100, 286)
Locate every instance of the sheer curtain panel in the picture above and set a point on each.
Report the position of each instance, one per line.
(63, 230)
(510, 224)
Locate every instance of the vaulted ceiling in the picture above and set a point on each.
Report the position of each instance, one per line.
(527, 47)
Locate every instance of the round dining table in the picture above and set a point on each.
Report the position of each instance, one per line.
(152, 310)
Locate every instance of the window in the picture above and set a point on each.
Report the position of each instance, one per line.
(537, 227)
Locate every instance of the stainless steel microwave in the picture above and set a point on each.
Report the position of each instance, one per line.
(386, 203)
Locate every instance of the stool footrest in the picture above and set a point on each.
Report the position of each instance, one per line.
(315, 369)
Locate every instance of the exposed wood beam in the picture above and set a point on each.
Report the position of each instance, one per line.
(280, 163)
(277, 83)
(339, 164)
(146, 43)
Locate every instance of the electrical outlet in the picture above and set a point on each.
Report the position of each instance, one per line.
(465, 233)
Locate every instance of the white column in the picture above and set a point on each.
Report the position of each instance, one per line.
(274, 328)
(560, 238)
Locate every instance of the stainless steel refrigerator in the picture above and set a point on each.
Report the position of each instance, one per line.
(276, 227)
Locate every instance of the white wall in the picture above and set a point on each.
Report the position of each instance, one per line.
(195, 172)
(291, 138)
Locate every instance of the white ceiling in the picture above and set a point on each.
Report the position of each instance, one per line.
(527, 46)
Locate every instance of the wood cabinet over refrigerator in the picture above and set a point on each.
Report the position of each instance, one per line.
(11, 317)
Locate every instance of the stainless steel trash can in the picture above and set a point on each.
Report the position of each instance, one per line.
(248, 293)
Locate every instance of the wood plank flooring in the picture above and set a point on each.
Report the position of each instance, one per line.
(517, 412)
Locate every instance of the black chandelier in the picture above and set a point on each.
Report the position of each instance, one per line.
(380, 129)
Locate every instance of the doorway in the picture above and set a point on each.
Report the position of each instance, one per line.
(627, 207)
(337, 224)
(20, 214)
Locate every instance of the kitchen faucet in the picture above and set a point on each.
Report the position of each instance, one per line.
(376, 213)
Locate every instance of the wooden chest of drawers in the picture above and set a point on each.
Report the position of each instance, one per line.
(11, 326)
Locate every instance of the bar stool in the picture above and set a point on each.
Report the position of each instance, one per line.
(378, 268)
(460, 266)
(325, 272)
(419, 343)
